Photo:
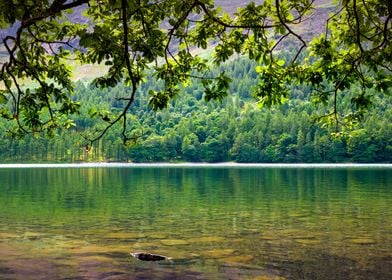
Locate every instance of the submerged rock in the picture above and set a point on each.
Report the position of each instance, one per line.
(149, 257)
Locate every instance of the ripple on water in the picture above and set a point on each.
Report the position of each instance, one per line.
(32, 235)
(238, 259)
(307, 241)
(144, 245)
(174, 242)
(206, 239)
(269, 237)
(298, 215)
(158, 236)
(6, 236)
(90, 250)
(218, 253)
(363, 241)
(124, 235)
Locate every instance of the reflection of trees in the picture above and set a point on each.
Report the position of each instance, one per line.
(256, 198)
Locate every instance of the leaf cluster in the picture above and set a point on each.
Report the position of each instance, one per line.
(165, 37)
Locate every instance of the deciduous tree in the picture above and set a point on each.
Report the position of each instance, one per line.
(134, 38)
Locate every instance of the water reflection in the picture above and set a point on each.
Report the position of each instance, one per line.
(215, 223)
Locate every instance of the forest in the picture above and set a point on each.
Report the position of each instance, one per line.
(193, 130)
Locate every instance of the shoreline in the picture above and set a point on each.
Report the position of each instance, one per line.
(196, 165)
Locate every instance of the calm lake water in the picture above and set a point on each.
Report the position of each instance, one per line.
(215, 223)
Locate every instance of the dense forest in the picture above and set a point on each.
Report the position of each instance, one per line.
(193, 130)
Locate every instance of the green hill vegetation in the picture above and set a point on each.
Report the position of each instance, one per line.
(194, 130)
(339, 52)
(324, 68)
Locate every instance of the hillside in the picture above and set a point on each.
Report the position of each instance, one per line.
(191, 129)
(196, 131)
(312, 26)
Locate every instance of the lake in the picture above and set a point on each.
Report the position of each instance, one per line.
(221, 222)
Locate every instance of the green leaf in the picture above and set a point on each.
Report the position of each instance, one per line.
(280, 62)
(3, 99)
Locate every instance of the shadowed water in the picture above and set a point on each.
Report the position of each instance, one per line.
(215, 223)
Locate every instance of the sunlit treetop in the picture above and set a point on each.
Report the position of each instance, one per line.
(164, 37)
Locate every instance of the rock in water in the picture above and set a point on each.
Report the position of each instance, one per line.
(149, 257)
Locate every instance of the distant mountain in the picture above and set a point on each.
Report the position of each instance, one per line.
(312, 26)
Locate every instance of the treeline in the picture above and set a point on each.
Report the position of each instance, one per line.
(196, 131)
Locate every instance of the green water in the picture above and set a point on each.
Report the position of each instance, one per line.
(215, 223)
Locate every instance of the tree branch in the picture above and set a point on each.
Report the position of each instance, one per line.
(283, 22)
(358, 28)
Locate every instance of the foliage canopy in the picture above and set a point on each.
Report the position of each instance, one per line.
(135, 38)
